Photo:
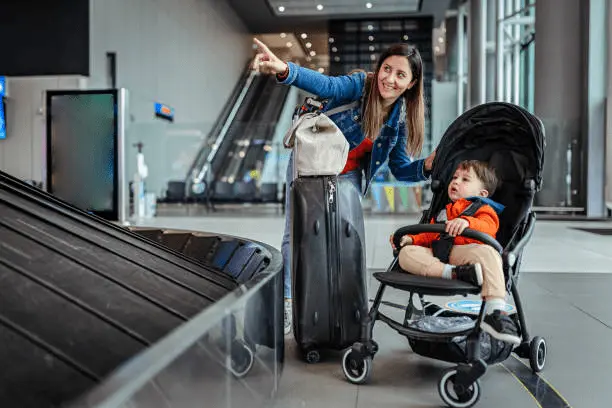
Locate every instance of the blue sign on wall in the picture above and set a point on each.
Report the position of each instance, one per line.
(471, 306)
(164, 112)
(2, 118)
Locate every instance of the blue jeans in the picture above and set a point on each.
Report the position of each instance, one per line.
(353, 176)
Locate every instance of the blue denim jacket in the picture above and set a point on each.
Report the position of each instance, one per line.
(391, 142)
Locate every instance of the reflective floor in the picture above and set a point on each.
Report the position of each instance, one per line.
(565, 285)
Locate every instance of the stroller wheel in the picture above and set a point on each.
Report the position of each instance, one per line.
(537, 354)
(241, 359)
(357, 368)
(457, 396)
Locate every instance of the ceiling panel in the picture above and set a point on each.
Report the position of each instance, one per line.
(331, 8)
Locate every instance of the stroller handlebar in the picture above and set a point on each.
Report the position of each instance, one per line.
(439, 228)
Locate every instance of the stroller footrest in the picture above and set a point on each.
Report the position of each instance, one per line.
(426, 285)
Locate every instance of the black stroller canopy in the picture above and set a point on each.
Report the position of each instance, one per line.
(511, 140)
(496, 132)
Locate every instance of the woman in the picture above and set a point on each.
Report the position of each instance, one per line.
(390, 126)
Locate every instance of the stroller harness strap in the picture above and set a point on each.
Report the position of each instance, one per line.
(442, 246)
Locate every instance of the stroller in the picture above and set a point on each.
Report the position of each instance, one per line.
(512, 141)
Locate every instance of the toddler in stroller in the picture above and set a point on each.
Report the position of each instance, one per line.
(451, 256)
(511, 141)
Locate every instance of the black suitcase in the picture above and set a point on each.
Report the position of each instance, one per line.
(329, 267)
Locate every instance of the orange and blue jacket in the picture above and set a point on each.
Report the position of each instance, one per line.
(484, 220)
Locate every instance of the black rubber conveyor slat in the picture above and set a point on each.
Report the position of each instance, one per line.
(80, 296)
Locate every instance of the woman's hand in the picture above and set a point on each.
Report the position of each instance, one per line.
(266, 62)
(429, 161)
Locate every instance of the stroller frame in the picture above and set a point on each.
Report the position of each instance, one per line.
(357, 361)
(462, 379)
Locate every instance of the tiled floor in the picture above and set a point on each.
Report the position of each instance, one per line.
(566, 286)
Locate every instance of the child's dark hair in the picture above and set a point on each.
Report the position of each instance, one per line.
(484, 173)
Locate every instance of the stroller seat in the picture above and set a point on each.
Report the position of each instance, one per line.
(425, 285)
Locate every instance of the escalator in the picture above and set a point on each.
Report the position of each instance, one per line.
(237, 179)
(210, 156)
(80, 296)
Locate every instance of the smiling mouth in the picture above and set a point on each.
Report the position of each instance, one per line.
(388, 87)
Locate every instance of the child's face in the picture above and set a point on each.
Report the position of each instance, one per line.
(465, 184)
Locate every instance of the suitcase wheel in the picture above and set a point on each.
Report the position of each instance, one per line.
(313, 356)
(317, 226)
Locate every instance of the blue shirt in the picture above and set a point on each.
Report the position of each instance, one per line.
(390, 144)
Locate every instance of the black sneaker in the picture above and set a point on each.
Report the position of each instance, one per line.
(469, 273)
(500, 326)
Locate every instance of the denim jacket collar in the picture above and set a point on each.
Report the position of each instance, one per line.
(398, 113)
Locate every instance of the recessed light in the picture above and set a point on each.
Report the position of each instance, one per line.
(283, 35)
(440, 40)
(331, 40)
(371, 38)
(308, 45)
(321, 70)
(371, 48)
(281, 8)
(369, 5)
(337, 59)
(373, 57)
(319, 7)
(289, 44)
(308, 59)
(405, 38)
(312, 53)
(304, 36)
(437, 49)
(370, 27)
(334, 49)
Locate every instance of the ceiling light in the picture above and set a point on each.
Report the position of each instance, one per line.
(440, 40)
(331, 40)
(370, 27)
(289, 44)
(308, 59)
(337, 59)
(304, 36)
(405, 37)
(281, 8)
(371, 38)
(283, 35)
(371, 48)
(369, 5)
(319, 7)
(334, 49)
(437, 49)
(312, 53)
(321, 70)
(373, 57)
(308, 45)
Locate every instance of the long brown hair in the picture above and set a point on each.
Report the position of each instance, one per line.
(373, 116)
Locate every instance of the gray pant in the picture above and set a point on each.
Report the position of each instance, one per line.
(352, 176)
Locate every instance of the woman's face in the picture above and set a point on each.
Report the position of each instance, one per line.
(394, 78)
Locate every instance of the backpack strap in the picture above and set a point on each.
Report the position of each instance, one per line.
(442, 246)
(342, 108)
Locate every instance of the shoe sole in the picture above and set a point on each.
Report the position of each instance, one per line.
(508, 338)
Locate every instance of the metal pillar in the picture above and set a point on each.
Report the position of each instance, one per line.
(511, 22)
(461, 52)
(477, 40)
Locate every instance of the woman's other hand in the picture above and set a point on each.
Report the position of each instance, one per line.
(266, 62)
(429, 161)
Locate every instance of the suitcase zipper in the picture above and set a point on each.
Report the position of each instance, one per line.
(333, 259)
